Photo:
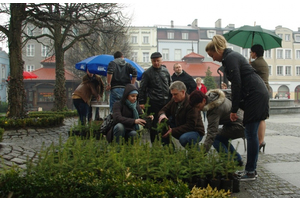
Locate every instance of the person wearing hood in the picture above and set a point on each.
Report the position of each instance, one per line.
(126, 115)
(118, 75)
(218, 109)
(249, 93)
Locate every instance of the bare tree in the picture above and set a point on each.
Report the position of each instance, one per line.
(69, 24)
(13, 32)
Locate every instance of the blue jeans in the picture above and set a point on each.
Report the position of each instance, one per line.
(82, 109)
(223, 141)
(251, 130)
(115, 95)
(190, 138)
(120, 131)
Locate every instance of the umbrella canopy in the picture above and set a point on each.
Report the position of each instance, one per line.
(247, 36)
(29, 75)
(98, 65)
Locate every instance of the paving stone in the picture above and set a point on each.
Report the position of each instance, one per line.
(18, 160)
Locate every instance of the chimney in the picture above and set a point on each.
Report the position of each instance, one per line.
(218, 24)
(230, 26)
(298, 29)
(172, 24)
(195, 23)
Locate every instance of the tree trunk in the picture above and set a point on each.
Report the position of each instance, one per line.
(60, 101)
(16, 91)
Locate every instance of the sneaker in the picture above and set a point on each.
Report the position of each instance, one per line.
(241, 173)
(248, 176)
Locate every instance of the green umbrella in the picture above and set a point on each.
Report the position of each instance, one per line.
(247, 36)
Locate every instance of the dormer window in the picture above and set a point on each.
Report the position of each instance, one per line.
(211, 33)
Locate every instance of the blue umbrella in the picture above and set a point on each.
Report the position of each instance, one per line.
(98, 65)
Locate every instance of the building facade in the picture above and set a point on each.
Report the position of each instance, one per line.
(4, 73)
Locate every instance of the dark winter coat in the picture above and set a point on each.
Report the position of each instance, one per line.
(262, 69)
(187, 118)
(122, 113)
(189, 82)
(246, 85)
(120, 71)
(155, 85)
(218, 109)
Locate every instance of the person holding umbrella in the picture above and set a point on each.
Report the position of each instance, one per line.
(262, 69)
(249, 93)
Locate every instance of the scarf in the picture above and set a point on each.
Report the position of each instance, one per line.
(132, 106)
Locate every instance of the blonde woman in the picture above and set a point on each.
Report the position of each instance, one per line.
(249, 93)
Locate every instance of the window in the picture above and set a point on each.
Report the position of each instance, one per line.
(270, 70)
(211, 33)
(45, 50)
(134, 39)
(245, 52)
(297, 70)
(146, 39)
(185, 36)
(287, 37)
(134, 56)
(268, 54)
(279, 54)
(188, 51)
(280, 70)
(29, 68)
(30, 50)
(288, 70)
(288, 54)
(145, 57)
(165, 54)
(30, 30)
(170, 35)
(297, 54)
(177, 54)
(45, 31)
(297, 38)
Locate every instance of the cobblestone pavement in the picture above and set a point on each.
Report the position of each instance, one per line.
(17, 145)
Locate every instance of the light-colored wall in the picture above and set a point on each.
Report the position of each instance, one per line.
(141, 47)
(4, 72)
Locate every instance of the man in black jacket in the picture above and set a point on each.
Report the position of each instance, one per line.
(118, 76)
(155, 85)
(181, 75)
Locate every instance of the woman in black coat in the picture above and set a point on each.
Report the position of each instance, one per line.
(248, 93)
(126, 113)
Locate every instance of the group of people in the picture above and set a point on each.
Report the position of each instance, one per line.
(179, 99)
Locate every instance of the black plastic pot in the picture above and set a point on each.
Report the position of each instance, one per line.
(236, 185)
(227, 184)
(202, 182)
(215, 183)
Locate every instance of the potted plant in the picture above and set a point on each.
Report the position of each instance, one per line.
(216, 169)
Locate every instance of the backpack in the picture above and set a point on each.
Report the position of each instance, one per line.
(106, 124)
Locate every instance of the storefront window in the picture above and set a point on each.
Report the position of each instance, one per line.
(46, 94)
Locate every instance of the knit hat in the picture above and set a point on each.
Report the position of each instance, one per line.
(134, 92)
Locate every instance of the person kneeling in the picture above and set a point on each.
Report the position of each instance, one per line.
(185, 121)
(126, 114)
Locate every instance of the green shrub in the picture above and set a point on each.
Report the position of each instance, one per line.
(94, 168)
(1, 134)
(33, 121)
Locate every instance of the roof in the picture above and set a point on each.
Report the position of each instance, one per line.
(193, 69)
(49, 60)
(192, 55)
(49, 74)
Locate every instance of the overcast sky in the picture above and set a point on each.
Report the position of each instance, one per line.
(266, 13)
